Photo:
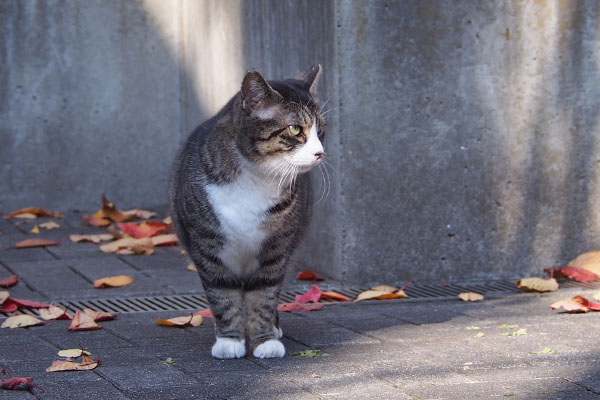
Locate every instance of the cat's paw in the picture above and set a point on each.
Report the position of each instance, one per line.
(278, 332)
(270, 349)
(229, 348)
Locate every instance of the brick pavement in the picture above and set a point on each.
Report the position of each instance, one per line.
(377, 350)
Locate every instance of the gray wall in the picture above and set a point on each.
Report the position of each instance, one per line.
(462, 138)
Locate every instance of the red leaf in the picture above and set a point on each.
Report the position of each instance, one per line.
(34, 242)
(28, 303)
(295, 307)
(13, 383)
(334, 296)
(308, 276)
(575, 273)
(204, 313)
(8, 306)
(313, 295)
(143, 230)
(576, 304)
(10, 281)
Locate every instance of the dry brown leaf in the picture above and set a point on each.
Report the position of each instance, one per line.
(50, 225)
(53, 312)
(67, 365)
(21, 321)
(398, 294)
(35, 229)
(470, 296)
(539, 284)
(192, 267)
(384, 288)
(34, 242)
(113, 281)
(127, 246)
(83, 322)
(102, 237)
(188, 320)
(35, 212)
(168, 239)
(589, 261)
(99, 316)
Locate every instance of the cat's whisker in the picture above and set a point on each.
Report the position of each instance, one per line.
(322, 184)
(331, 109)
(324, 104)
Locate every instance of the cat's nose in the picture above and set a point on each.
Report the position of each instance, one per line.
(319, 155)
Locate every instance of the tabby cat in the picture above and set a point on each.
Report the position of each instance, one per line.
(239, 199)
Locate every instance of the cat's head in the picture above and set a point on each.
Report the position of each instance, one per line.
(281, 128)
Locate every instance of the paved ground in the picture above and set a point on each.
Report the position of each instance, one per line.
(377, 350)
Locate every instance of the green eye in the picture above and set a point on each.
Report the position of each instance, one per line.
(295, 130)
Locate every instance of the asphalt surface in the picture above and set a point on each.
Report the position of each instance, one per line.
(513, 347)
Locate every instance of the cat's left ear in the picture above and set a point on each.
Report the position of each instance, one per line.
(309, 78)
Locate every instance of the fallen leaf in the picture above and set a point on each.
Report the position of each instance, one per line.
(479, 334)
(169, 239)
(192, 267)
(188, 320)
(398, 294)
(8, 307)
(576, 273)
(113, 281)
(28, 303)
(295, 307)
(310, 353)
(470, 296)
(35, 211)
(129, 246)
(54, 312)
(4, 295)
(67, 365)
(99, 316)
(545, 350)
(576, 304)
(204, 313)
(73, 353)
(35, 229)
(83, 322)
(144, 229)
(519, 332)
(384, 288)
(539, 284)
(13, 383)
(308, 276)
(313, 295)
(334, 296)
(596, 296)
(21, 321)
(35, 242)
(49, 225)
(589, 261)
(8, 282)
(94, 220)
(102, 237)
(472, 328)
(110, 211)
(169, 361)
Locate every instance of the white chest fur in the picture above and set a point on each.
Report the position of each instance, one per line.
(241, 208)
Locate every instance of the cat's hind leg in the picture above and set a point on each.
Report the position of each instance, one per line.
(227, 308)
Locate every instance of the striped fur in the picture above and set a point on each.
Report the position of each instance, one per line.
(239, 199)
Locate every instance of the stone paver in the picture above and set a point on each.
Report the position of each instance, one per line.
(377, 350)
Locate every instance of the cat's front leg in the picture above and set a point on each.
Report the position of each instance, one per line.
(227, 307)
(263, 322)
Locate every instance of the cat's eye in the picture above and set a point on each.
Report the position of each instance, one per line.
(295, 130)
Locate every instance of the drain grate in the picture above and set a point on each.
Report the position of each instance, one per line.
(198, 301)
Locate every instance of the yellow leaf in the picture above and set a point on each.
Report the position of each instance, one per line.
(177, 321)
(589, 261)
(53, 312)
(539, 284)
(92, 238)
(129, 246)
(113, 281)
(73, 353)
(21, 321)
(64, 365)
(25, 216)
(470, 296)
(384, 288)
(196, 320)
(35, 229)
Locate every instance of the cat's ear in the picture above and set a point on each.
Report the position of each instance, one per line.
(309, 78)
(257, 95)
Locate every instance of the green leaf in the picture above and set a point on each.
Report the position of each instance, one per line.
(479, 334)
(169, 361)
(309, 353)
(545, 350)
(472, 328)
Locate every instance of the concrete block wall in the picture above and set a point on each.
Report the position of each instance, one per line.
(463, 138)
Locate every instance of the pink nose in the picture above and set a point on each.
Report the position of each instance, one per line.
(319, 155)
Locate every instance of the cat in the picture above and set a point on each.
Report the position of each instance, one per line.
(239, 199)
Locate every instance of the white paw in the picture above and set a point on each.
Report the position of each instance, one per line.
(278, 332)
(229, 348)
(269, 349)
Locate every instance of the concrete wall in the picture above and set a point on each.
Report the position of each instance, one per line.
(462, 138)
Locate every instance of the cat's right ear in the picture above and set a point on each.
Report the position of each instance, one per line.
(258, 97)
